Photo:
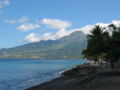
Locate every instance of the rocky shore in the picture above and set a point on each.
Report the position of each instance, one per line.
(88, 76)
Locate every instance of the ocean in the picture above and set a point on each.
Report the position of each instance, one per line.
(18, 74)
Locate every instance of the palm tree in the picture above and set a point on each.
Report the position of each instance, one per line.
(103, 45)
(94, 47)
(113, 53)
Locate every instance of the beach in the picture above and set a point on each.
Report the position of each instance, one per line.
(84, 77)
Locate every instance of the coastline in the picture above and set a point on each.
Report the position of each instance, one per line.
(63, 77)
(60, 77)
(34, 72)
(40, 59)
(87, 76)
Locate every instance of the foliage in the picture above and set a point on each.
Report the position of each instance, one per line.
(103, 44)
(68, 47)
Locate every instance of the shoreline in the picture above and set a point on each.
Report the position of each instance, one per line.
(61, 72)
(87, 76)
(60, 76)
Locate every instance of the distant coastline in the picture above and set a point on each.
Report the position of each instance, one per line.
(42, 58)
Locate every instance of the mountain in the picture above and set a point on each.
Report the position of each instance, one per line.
(67, 47)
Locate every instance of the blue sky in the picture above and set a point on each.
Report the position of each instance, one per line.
(24, 21)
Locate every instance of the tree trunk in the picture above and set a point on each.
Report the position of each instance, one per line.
(96, 60)
(112, 65)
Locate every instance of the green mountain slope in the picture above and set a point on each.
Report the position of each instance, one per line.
(67, 47)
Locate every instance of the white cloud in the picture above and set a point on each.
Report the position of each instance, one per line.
(86, 29)
(4, 3)
(63, 32)
(103, 24)
(32, 37)
(110, 29)
(47, 36)
(56, 23)
(116, 22)
(27, 27)
(21, 20)
(57, 35)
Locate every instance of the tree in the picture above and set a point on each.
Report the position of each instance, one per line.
(95, 39)
(104, 44)
(113, 52)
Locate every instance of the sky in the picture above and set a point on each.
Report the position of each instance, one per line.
(26, 21)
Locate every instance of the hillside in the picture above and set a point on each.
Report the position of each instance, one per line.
(68, 47)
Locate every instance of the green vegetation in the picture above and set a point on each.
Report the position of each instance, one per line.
(68, 47)
(103, 44)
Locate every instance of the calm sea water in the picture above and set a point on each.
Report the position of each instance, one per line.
(21, 74)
